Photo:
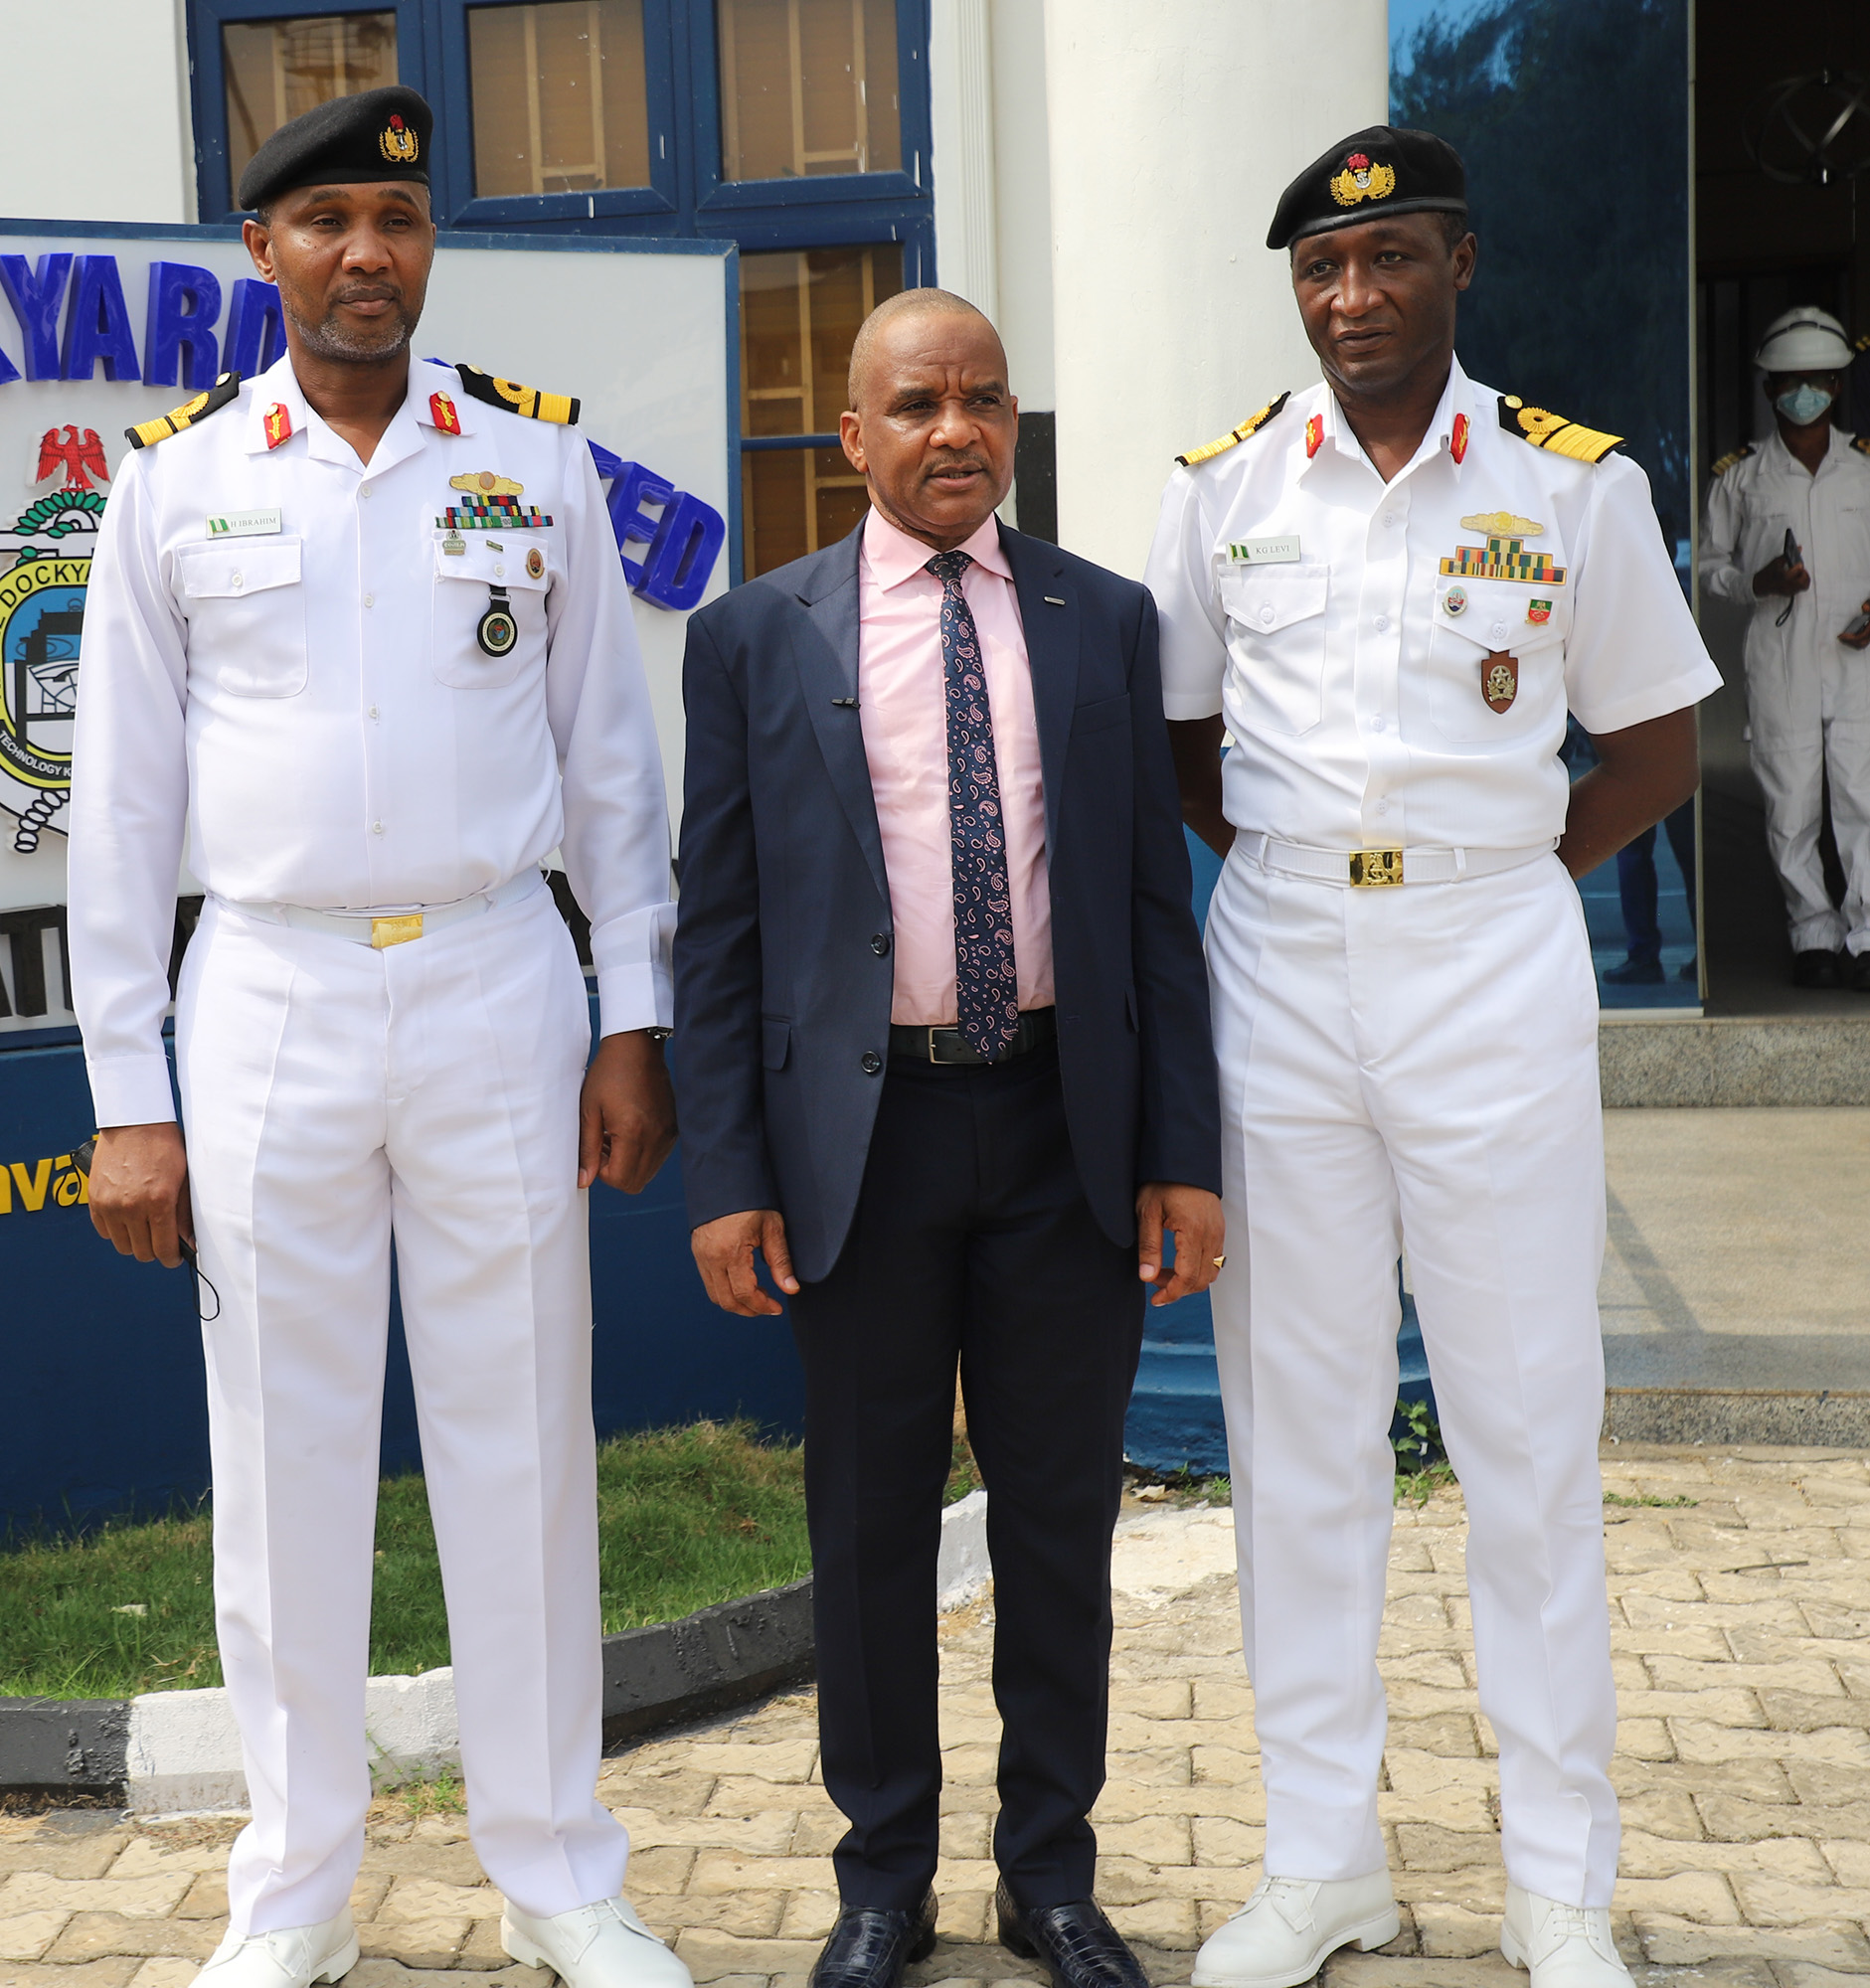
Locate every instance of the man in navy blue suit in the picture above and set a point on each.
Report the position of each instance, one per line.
(943, 1060)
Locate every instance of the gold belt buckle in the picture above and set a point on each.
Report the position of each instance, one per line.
(397, 930)
(1373, 867)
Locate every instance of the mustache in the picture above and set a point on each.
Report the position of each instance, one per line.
(363, 293)
(958, 462)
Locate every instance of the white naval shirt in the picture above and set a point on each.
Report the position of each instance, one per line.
(309, 702)
(1353, 693)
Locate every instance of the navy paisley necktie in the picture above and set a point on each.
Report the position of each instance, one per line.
(986, 976)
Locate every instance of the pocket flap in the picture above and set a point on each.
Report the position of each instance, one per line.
(1101, 714)
(1496, 614)
(511, 560)
(776, 1041)
(1267, 599)
(247, 565)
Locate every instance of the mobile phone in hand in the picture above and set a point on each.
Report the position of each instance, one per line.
(1860, 625)
(1792, 555)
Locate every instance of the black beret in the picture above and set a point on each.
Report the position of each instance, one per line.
(381, 135)
(1384, 169)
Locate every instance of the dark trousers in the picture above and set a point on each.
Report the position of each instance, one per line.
(972, 1241)
(1636, 882)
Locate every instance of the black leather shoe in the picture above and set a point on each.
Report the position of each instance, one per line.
(1634, 972)
(1815, 968)
(1078, 1946)
(870, 1947)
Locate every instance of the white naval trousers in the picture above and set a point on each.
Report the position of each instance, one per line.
(333, 1095)
(1415, 1068)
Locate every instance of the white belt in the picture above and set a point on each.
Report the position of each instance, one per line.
(1372, 867)
(380, 928)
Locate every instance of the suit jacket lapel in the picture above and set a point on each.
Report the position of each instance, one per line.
(1051, 638)
(826, 654)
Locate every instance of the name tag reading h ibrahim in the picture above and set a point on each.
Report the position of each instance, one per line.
(244, 525)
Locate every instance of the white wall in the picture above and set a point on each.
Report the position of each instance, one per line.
(93, 106)
(1022, 197)
(1172, 132)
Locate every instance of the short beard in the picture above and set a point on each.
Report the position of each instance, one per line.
(327, 337)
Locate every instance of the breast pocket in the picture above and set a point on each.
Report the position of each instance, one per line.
(1499, 639)
(1275, 637)
(245, 606)
(489, 607)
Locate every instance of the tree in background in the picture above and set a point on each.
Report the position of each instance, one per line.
(1573, 118)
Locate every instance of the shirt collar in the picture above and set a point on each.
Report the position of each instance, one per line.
(894, 557)
(1784, 459)
(1455, 419)
(277, 388)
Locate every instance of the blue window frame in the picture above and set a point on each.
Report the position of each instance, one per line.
(687, 195)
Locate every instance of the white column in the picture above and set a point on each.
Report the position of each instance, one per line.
(961, 85)
(99, 135)
(1173, 129)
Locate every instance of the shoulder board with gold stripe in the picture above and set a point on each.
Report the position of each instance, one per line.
(1554, 433)
(1862, 342)
(1209, 450)
(517, 399)
(1727, 460)
(224, 390)
(1861, 443)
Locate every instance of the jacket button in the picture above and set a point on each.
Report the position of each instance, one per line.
(880, 943)
(872, 1062)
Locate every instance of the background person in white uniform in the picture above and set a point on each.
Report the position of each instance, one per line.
(1807, 693)
(1388, 588)
(360, 631)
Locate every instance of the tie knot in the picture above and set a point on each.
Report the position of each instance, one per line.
(947, 567)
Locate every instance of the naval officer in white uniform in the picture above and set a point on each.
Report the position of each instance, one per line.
(1808, 680)
(358, 629)
(1388, 588)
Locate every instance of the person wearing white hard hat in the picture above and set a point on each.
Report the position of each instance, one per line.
(1788, 535)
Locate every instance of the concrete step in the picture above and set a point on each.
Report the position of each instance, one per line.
(1647, 1058)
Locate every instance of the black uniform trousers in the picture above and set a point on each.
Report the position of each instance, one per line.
(972, 1241)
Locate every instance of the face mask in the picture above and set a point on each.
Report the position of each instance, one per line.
(1804, 404)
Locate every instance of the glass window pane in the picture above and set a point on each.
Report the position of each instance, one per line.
(560, 97)
(800, 313)
(276, 71)
(808, 87)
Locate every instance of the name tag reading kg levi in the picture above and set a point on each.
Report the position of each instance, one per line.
(1264, 551)
(244, 525)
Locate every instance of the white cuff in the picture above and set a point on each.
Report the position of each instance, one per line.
(640, 996)
(1180, 705)
(131, 1090)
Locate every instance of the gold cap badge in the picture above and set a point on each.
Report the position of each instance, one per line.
(397, 144)
(1360, 179)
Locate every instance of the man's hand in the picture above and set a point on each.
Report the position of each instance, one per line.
(725, 1250)
(1193, 1216)
(626, 1113)
(1779, 575)
(1862, 640)
(140, 1192)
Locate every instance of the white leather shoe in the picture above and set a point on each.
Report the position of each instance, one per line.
(1563, 1946)
(293, 1957)
(1285, 1931)
(604, 1946)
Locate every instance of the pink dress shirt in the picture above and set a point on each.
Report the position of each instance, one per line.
(903, 704)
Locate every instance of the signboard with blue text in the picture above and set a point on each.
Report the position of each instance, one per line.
(102, 327)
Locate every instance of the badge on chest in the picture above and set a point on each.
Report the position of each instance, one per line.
(1500, 680)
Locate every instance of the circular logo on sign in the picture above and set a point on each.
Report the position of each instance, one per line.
(1456, 599)
(536, 564)
(46, 562)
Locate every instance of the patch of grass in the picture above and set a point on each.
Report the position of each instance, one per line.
(412, 1800)
(1422, 1465)
(686, 1517)
(1664, 1503)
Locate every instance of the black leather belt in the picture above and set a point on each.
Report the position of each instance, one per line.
(1036, 1026)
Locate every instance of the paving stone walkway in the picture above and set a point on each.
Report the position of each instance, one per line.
(1741, 1618)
